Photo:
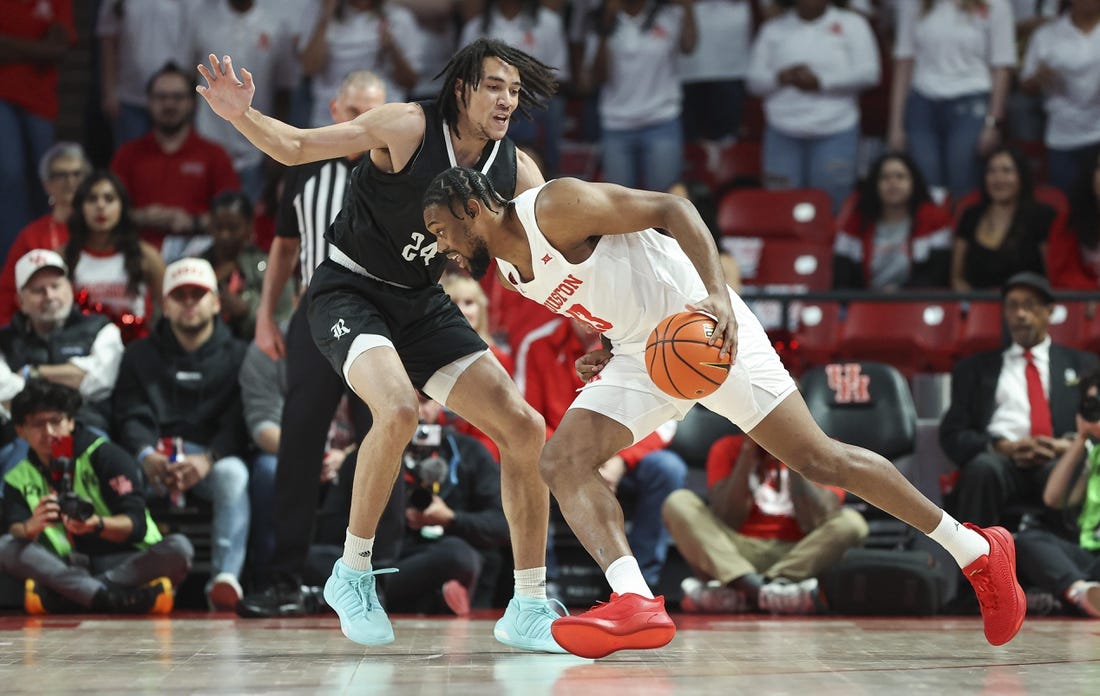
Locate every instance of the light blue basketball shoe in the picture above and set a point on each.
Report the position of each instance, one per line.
(351, 593)
(526, 624)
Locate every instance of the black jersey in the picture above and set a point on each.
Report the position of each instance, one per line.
(381, 226)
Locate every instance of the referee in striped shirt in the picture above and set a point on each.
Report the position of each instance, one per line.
(312, 196)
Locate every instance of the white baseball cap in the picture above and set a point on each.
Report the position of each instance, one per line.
(35, 260)
(190, 271)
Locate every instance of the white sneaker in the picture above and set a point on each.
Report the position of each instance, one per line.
(1085, 595)
(781, 596)
(223, 592)
(711, 598)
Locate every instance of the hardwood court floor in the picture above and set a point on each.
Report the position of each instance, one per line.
(205, 653)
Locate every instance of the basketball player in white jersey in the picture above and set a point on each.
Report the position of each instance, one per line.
(575, 248)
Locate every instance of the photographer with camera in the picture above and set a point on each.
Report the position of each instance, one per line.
(1068, 570)
(451, 556)
(77, 528)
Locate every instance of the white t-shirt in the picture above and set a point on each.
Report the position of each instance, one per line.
(643, 79)
(724, 31)
(543, 38)
(150, 33)
(354, 44)
(103, 275)
(953, 50)
(258, 40)
(1073, 106)
(839, 47)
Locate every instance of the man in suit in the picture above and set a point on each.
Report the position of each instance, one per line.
(1012, 410)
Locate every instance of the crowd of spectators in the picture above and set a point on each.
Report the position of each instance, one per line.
(136, 283)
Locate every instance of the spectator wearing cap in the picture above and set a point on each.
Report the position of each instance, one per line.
(181, 382)
(49, 337)
(1012, 412)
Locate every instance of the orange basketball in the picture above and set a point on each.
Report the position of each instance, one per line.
(679, 360)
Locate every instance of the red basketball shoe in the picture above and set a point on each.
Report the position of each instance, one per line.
(627, 622)
(994, 579)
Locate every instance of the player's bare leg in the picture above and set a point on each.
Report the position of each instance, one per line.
(633, 619)
(987, 556)
(485, 396)
(379, 379)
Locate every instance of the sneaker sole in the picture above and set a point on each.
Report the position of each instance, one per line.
(456, 597)
(593, 642)
(1009, 545)
(223, 597)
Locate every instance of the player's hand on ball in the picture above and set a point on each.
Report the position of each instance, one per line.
(725, 324)
(590, 364)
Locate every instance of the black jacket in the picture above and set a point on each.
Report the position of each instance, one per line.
(164, 391)
(22, 346)
(963, 433)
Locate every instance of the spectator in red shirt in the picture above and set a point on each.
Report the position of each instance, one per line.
(171, 172)
(33, 38)
(61, 170)
(765, 536)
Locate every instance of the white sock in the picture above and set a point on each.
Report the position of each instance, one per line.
(357, 551)
(624, 576)
(531, 582)
(965, 545)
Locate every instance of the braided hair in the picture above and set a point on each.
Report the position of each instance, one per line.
(537, 77)
(456, 186)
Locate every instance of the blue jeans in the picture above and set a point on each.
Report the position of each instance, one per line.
(1065, 167)
(827, 162)
(643, 490)
(24, 138)
(133, 122)
(226, 489)
(261, 491)
(943, 139)
(651, 157)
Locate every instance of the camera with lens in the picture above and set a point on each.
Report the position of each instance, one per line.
(425, 465)
(1089, 405)
(1089, 408)
(61, 472)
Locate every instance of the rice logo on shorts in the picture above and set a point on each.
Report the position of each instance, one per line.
(339, 329)
(848, 383)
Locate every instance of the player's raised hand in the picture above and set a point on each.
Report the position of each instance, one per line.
(725, 324)
(227, 95)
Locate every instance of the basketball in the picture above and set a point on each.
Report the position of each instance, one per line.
(679, 360)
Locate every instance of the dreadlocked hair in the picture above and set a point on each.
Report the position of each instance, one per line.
(537, 77)
(456, 186)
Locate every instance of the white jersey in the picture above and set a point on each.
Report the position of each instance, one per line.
(623, 290)
(103, 275)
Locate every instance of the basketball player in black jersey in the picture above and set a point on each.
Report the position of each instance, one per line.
(379, 315)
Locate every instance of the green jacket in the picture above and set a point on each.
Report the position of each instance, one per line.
(28, 479)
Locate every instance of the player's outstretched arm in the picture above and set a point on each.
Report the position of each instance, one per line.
(569, 211)
(231, 98)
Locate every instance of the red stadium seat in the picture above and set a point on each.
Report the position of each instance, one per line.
(802, 214)
(739, 161)
(795, 265)
(982, 329)
(1067, 324)
(814, 339)
(1090, 328)
(912, 336)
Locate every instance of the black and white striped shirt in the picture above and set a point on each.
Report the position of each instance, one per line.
(312, 196)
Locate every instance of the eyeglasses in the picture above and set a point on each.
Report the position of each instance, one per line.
(71, 174)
